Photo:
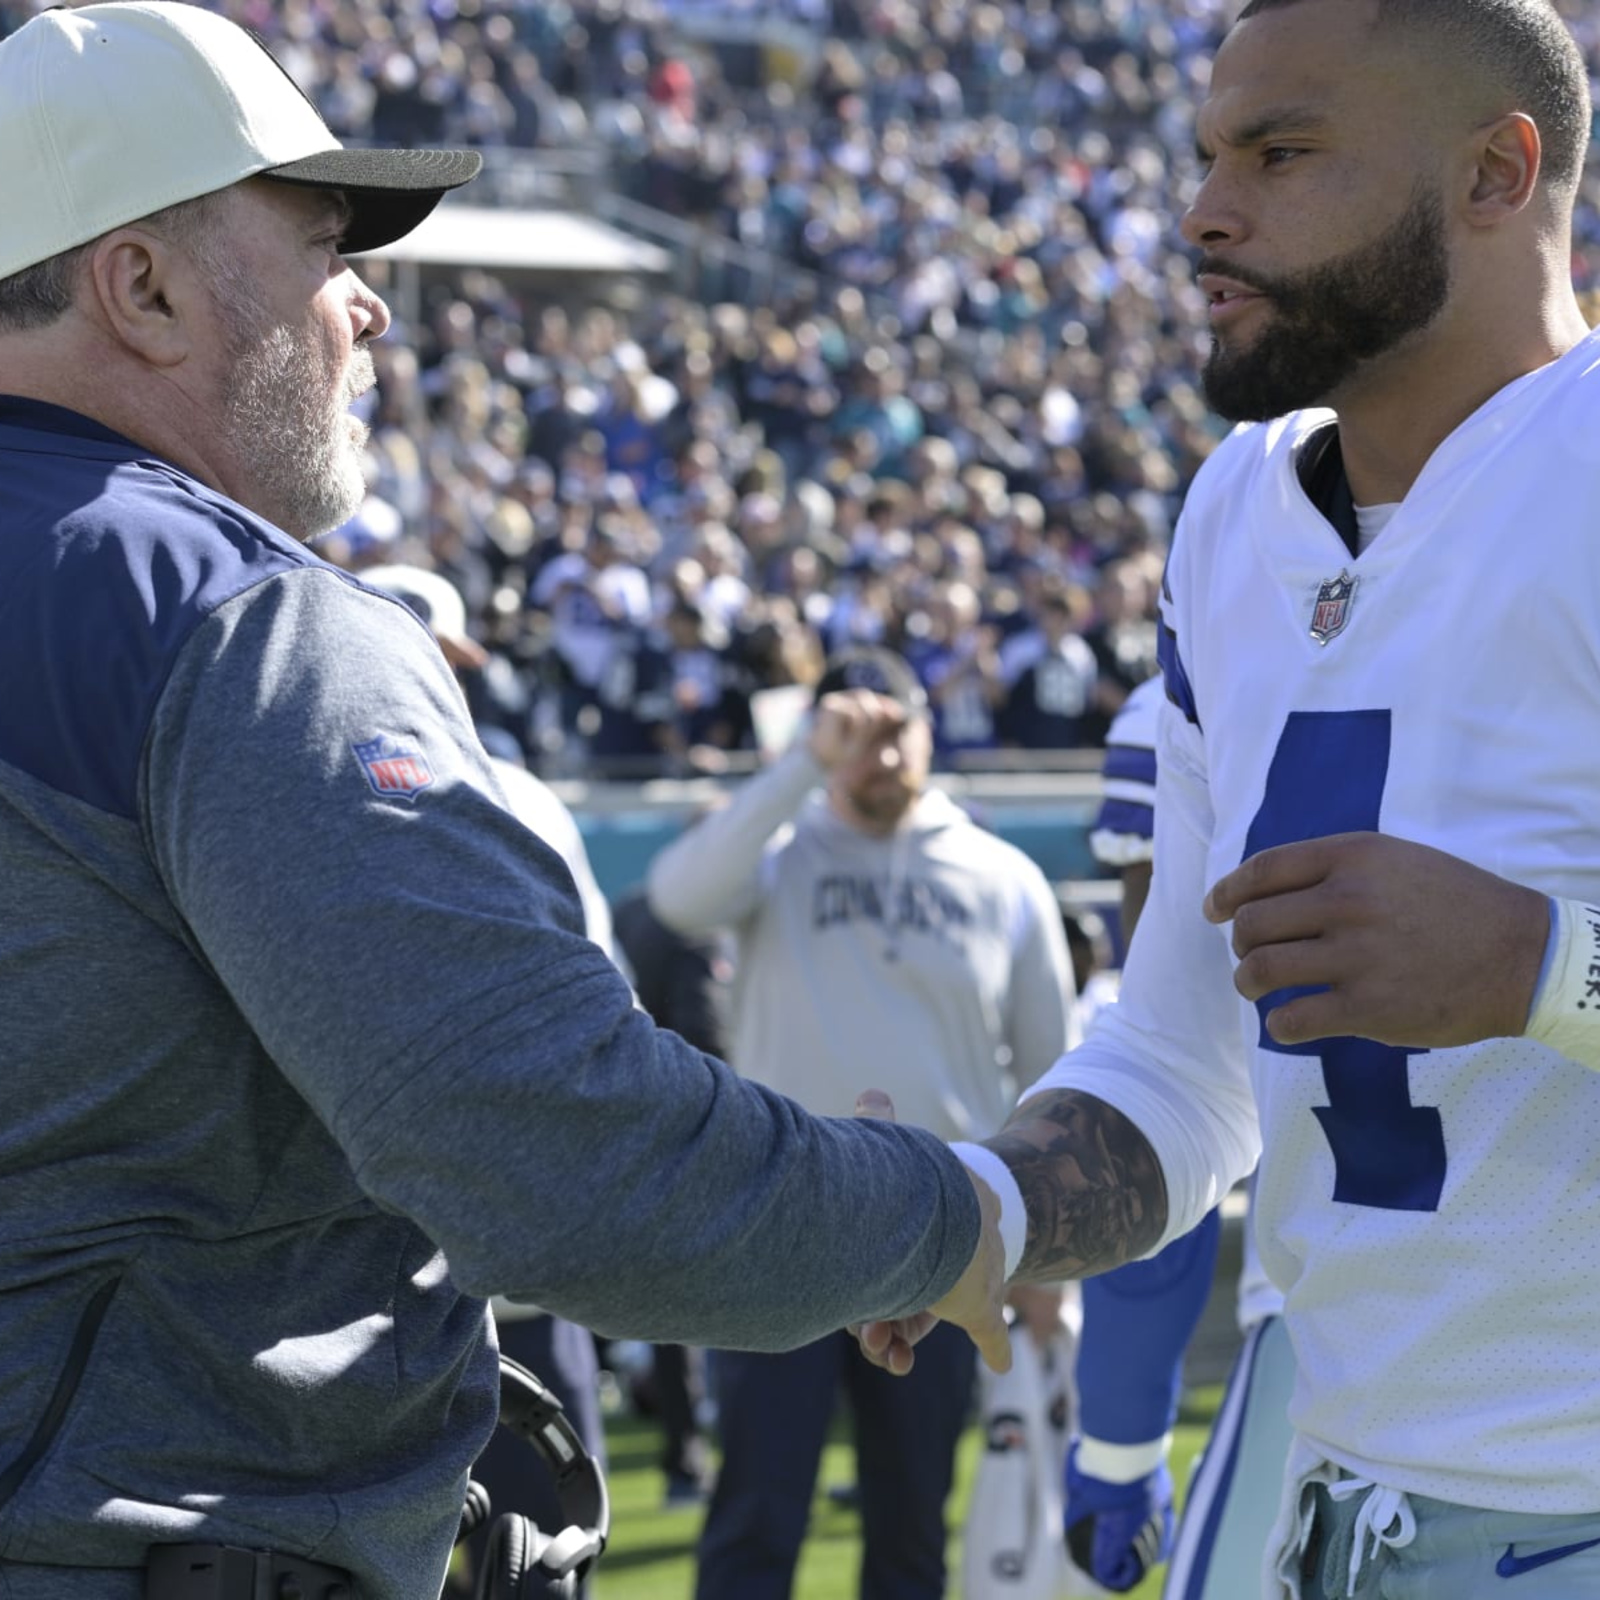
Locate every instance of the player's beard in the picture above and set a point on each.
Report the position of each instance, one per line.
(286, 419)
(1331, 319)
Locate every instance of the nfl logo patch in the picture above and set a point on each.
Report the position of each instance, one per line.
(394, 771)
(1331, 611)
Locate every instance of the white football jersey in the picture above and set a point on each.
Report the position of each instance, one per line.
(1432, 1217)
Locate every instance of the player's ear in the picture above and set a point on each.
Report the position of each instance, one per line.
(136, 287)
(1506, 158)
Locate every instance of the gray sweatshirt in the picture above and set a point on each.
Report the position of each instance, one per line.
(305, 1053)
(931, 963)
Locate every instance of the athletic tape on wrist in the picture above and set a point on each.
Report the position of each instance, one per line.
(984, 1163)
(1566, 1005)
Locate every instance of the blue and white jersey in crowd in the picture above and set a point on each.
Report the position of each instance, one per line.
(1124, 829)
(1432, 1217)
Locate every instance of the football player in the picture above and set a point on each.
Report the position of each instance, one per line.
(1373, 927)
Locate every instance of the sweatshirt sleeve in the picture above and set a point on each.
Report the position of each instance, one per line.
(1042, 1019)
(710, 875)
(411, 958)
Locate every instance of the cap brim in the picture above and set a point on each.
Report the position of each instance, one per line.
(389, 191)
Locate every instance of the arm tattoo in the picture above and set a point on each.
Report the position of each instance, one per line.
(1093, 1187)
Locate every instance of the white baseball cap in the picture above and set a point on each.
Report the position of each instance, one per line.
(431, 595)
(112, 112)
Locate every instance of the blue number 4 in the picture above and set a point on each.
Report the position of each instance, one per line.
(1327, 776)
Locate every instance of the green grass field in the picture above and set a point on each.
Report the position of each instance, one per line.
(651, 1556)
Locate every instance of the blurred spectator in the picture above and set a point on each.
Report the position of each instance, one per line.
(959, 665)
(877, 931)
(1052, 673)
(598, 601)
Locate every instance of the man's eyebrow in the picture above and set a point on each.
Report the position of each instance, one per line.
(1273, 123)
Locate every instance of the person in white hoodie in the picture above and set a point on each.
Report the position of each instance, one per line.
(884, 940)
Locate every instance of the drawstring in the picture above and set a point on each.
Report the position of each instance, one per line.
(1385, 1518)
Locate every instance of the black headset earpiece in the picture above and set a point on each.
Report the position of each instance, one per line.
(521, 1561)
(514, 1564)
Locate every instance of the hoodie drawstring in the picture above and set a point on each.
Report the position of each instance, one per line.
(1385, 1519)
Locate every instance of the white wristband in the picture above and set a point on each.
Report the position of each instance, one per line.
(1566, 1006)
(1121, 1463)
(985, 1164)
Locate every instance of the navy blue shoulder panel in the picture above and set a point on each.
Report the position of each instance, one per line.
(109, 560)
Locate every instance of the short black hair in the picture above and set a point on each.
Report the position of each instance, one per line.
(1524, 46)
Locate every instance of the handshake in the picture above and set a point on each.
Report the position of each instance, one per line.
(976, 1303)
(1115, 1532)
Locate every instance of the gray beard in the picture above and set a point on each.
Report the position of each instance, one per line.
(301, 454)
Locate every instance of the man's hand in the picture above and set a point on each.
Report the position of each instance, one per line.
(1409, 946)
(977, 1301)
(848, 723)
(1117, 1531)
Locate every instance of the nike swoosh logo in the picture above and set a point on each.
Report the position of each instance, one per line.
(1511, 1565)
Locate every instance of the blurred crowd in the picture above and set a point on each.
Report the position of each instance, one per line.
(964, 429)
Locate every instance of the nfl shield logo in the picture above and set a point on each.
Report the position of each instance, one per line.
(1332, 609)
(394, 771)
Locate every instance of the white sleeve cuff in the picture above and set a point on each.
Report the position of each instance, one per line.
(985, 1164)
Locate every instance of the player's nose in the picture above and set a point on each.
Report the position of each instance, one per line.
(1214, 218)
